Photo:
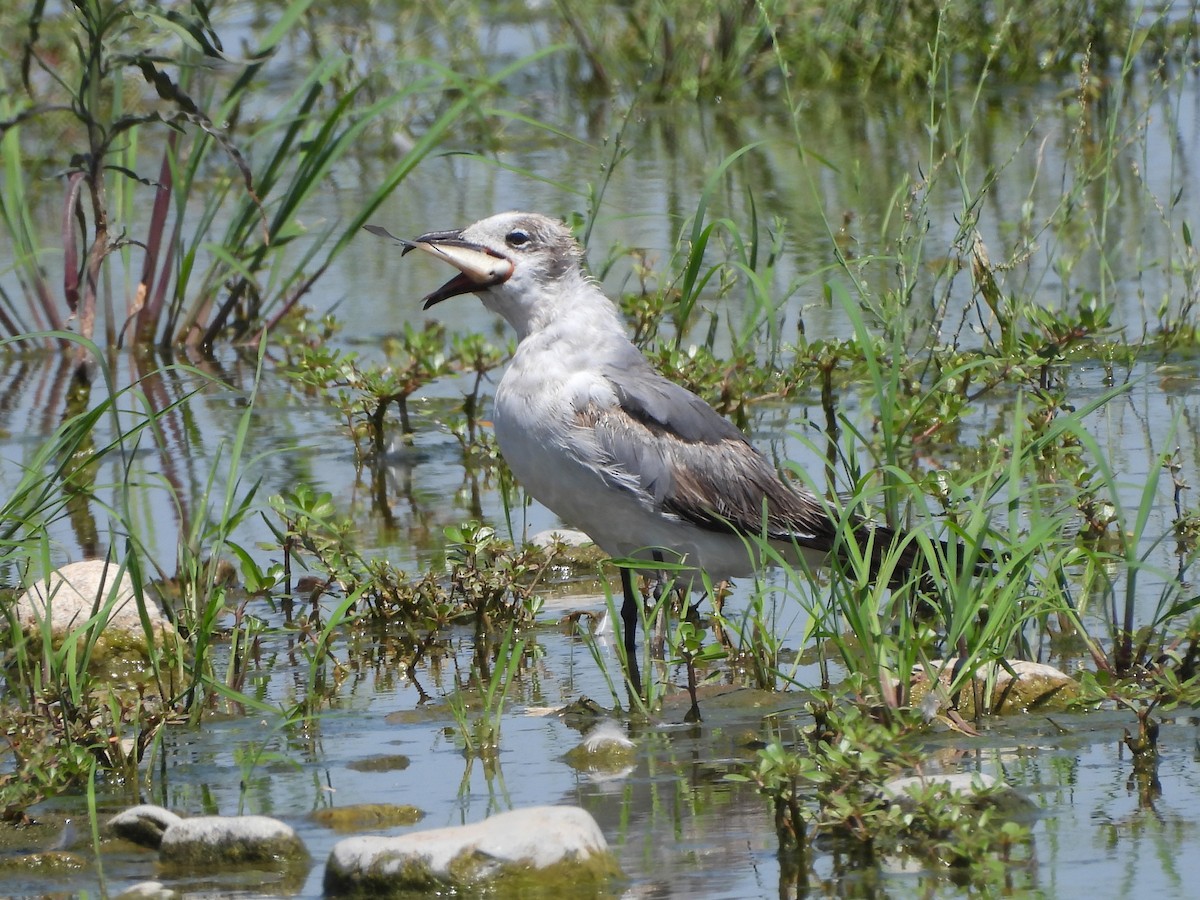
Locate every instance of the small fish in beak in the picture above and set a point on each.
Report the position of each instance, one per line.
(478, 266)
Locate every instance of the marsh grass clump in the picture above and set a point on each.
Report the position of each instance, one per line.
(486, 580)
(832, 784)
(90, 695)
(478, 705)
(721, 49)
(60, 739)
(157, 113)
(363, 393)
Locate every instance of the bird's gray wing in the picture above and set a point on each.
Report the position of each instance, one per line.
(693, 463)
(648, 396)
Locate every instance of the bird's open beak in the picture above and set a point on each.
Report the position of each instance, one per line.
(478, 266)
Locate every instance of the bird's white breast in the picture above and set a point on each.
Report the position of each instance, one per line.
(536, 426)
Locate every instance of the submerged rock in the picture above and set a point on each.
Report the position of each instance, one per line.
(148, 890)
(555, 850)
(205, 842)
(605, 750)
(977, 789)
(367, 815)
(1016, 686)
(143, 825)
(394, 762)
(583, 713)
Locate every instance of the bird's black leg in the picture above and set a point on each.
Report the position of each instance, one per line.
(629, 624)
(662, 611)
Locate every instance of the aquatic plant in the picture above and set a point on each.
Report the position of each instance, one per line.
(485, 582)
(722, 49)
(134, 81)
(832, 784)
(363, 393)
(478, 707)
(688, 647)
(474, 357)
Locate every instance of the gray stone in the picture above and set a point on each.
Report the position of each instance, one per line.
(222, 841)
(975, 788)
(605, 751)
(148, 890)
(966, 783)
(567, 537)
(143, 825)
(67, 598)
(542, 848)
(1035, 685)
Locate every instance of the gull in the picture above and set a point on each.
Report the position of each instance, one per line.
(596, 434)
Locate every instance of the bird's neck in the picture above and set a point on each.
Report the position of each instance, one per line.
(575, 307)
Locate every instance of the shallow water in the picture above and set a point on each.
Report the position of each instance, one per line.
(678, 828)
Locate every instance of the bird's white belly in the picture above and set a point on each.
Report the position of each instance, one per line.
(534, 424)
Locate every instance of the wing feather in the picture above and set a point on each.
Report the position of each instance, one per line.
(690, 462)
(681, 458)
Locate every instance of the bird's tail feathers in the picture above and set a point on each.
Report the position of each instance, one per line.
(906, 557)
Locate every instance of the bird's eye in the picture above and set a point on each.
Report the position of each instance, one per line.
(516, 238)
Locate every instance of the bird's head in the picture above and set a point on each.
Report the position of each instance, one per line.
(522, 265)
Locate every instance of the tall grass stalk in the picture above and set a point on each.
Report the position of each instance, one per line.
(643, 693)
(480, 733)
(596, 648)
(225, 254)
(758, 631)
(727, 51)
(94, 827)
(319, 654)
(1134, 647)
(695, 276)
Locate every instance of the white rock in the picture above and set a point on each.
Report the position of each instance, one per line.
(222, 840)
(69, 596)
(566, 536)
(1024, 668)
(1035, 684)
(965, 783)
(533, 838)
(148, 890)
